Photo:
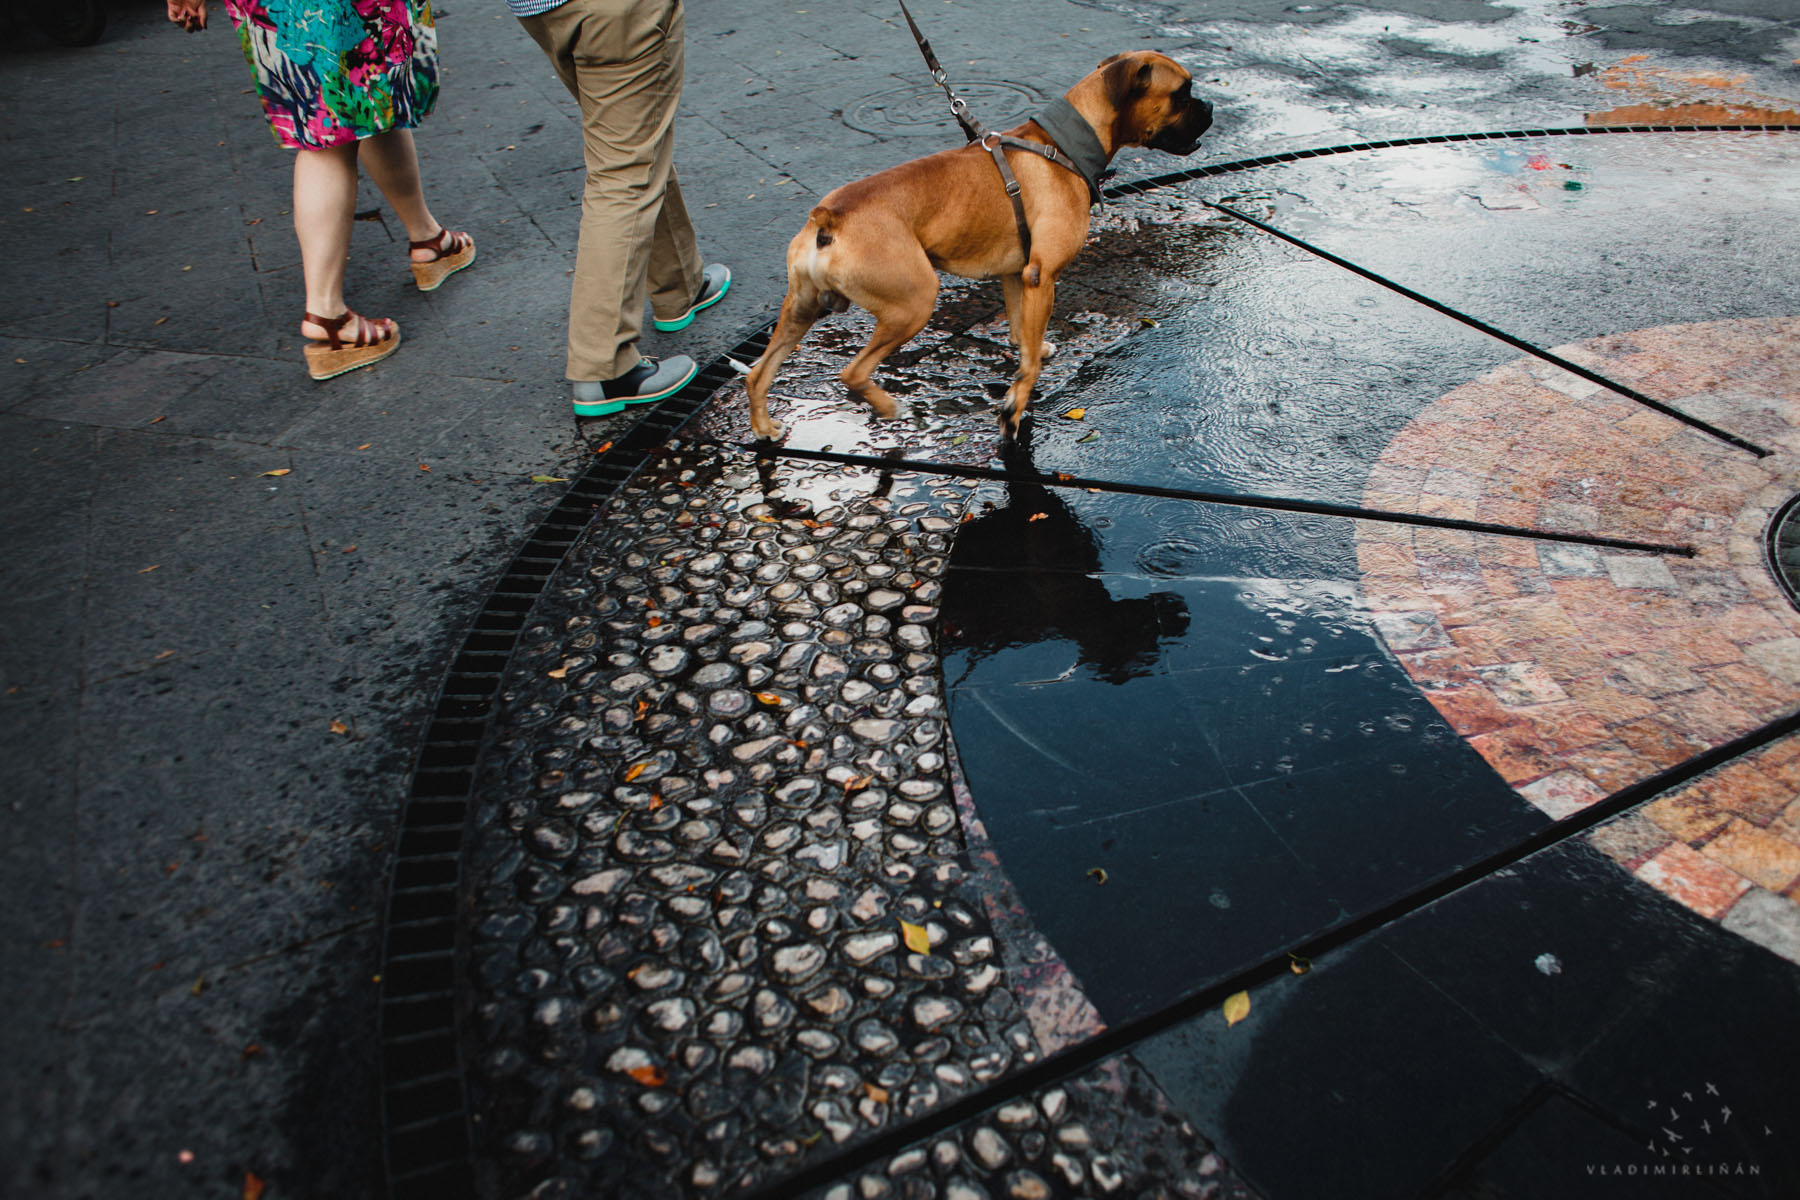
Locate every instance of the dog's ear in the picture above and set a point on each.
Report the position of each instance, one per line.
(1125, 79)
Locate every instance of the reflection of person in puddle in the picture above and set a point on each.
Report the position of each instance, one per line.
(1053, 589)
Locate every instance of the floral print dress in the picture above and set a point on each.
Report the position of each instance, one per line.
(331, 72)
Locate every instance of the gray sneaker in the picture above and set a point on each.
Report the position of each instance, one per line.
(645, 383)
(715, 281)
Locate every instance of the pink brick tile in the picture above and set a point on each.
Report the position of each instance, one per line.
(1685, 875)
(1629, 840)
(1757, 854)
(1560, 794)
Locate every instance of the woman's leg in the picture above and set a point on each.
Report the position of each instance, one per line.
(393, 163)
(324, 209)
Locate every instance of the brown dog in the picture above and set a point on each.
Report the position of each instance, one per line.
(880, 242)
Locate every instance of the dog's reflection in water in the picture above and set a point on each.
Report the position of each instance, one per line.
(1029, 572)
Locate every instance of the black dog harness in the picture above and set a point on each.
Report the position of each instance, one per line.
(1074, 147)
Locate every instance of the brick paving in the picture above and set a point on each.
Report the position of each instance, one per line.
(1576, 671)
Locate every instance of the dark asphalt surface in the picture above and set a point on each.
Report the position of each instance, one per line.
(197, 856)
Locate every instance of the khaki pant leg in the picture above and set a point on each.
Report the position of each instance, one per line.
(675, 266)
(622, 60)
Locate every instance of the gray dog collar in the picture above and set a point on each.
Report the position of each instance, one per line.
(1076, 139)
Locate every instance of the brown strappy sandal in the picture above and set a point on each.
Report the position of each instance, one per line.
(454, 252)
(336, 354)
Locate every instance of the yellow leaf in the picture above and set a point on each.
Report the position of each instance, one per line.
(339, 727)
(769, 698)
(649, 1076)
(548, 479)
(558, 673)
(634, 770)
(1098, 875)
(917, 940)
(876, 1093)
(278, 472)
(1237, 1007)
(1075, 414)
(253, 1186)
(150, 568)
(1299, 965)
(365, 445)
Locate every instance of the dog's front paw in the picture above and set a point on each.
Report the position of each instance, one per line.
(776, 431)
(1049, 350)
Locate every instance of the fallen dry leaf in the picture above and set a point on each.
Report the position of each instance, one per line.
(1098, 875)
(558, 673)
(150, 568)
(365, 445)
(1299, 965)
(1075, 414)
(277, 472)
(253, 1186)
(770, 699)
(876, 1093)
(649, 1076)
(1037, 517)
(1237, 1007)
(548, 479)
(917, 940)
(423, 467)
(634, 770)
(339, 727)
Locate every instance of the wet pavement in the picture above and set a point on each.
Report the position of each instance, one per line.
(1349, 747)
(1315, 644)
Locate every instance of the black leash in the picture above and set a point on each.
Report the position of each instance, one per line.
(996, 144)
(959, 108)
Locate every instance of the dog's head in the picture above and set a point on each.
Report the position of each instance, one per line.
(1153, 102)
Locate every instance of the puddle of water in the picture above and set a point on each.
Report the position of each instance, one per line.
(1235, 750)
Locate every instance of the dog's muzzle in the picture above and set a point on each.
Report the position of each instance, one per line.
(1183, 136)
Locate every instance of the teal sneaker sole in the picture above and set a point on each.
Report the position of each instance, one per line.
(687, 318)
(597, 408)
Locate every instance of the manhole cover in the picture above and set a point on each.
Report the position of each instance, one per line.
(922, 109)
(1784, 549)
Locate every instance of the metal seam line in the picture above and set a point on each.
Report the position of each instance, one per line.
(1269, 160)
(1482, 326)
(1277, 504)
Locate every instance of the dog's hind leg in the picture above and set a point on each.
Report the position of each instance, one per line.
(901, 304)
(801, 309)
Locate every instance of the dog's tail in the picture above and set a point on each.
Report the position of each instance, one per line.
(809, 265)
(825, 222)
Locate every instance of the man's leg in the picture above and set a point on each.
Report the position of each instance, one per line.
(622, 60)
(675, 268)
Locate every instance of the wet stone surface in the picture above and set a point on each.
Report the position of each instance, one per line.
(716, 819)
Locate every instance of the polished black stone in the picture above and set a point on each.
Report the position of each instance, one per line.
(1236, 752)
